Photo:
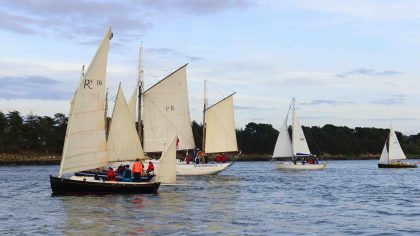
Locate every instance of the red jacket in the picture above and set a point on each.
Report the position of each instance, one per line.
(110, 176)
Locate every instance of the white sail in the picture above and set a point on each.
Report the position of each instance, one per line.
(167, 113)
(85, 144)
(395, 152)
(123, 142)
(132, 105)
(283, 146)
(298, 137)
(167, 164)
(384, 155)
(220, 127)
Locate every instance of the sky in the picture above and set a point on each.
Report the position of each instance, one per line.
(352, 63)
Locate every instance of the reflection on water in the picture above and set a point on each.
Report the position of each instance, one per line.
(349, 197)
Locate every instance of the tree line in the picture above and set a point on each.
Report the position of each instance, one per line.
(45, 135)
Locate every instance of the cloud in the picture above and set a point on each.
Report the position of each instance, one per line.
(84, 20)
(368, 72)
(394, 99)
(33, 87)
(168, 52)
(324, 102)
(197, 7)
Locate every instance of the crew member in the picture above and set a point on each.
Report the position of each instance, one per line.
(110, 176)
(137, 170)
(150, 169)
(127, 174)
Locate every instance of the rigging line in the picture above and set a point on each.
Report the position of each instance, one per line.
(218, 85)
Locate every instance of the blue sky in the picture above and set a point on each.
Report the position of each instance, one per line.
(353, 63)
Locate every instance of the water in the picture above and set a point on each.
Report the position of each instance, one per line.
(347, 198)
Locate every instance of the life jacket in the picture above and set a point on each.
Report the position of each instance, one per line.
(137, 167)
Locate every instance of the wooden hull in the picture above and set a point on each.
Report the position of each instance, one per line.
(65, 186)
(397, 165)
(298, 166)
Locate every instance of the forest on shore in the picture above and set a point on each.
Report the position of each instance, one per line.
(45, 135)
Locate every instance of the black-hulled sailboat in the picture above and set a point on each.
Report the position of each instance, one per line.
(85, 145)
(392, 155)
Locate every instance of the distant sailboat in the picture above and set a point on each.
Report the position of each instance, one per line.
(392, 153)
(85, 145)
(297, 149)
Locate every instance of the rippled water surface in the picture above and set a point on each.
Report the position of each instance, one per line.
(349, 197)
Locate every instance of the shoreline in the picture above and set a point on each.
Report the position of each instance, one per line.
(37, 159)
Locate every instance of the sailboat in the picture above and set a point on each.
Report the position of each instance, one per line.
(297, 149)
(392, 153)
(85, 145)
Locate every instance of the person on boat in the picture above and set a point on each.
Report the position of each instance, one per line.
(150, 169)
(206, 158)
(316, 161)
(197, 160)
(110, 176)
(303, 161)
(223, 158)
(187, 159)
(127, 174)
(137, 170)
(120, 170)
(217, 158)
(194, 153)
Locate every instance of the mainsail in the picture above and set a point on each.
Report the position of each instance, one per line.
(85, 144)
(220, 127)
(167, 164)
(166, 113)
(299, 144)
(123, 142)
(392, 151)
(283, 146)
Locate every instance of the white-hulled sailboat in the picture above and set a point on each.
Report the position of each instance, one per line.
(297, 149)
(392, 155)
(85, 145)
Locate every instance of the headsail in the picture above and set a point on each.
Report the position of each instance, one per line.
(167, 164)
(85, 144)
(384, 155)
(123, 142)
(395, 151)
(299, 144)
(167, 113)
(220, 127)
(283, 146)
(132, 104)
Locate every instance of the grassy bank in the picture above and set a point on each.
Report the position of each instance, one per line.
(29, 159)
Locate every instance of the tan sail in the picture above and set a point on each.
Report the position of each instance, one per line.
(166, 172)
(167, 113)
(85, 144)
(220, 127)
(123, 142)
(132, 104)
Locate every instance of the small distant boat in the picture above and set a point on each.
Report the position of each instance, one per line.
(85, 145)
(296, 149)
(392, 155)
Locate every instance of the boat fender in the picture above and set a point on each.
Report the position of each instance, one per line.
(84, 179)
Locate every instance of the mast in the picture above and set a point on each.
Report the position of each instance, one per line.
(106, 114)
(389, 140)
(140, 84)
(293, 126)
(204, 117)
